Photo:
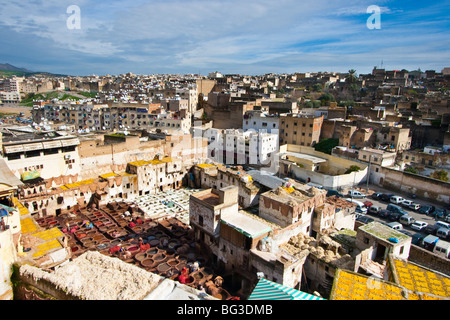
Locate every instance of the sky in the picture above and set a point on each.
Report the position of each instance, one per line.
(252, 37)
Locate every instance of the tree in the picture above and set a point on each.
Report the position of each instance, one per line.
(440, 175)
(317, 87)
(353, 168)
(326, 145)
(411, 170)
(351, 77)
(326, 98)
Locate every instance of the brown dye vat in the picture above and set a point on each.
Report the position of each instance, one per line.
(159, 257)
(86, 239)
(147, 263)
(163, 267)
(140, 256)
(198, 276)
(172, 262)
(151, 251)
(74, 249)
(88, 243)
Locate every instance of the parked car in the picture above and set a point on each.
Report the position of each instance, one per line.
(418, 225)
(360, 207)
(430, 229)
(383, 214)
(417, 239)
(393, 216)
(442, 248)
(376, 195)
(334, 193)
(396, 199)
(443, 233)
(368, 204)
(386, 197)
(414, 206)
(438, 213)
(373, 210)
(356, 194)
(395, 208)
(426, 210)
(395, 226)
(406, 219)
(405, 232)
(365, 219)
(442, 224)
(407, 203)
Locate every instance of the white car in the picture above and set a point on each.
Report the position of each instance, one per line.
(396, 200)
(418, 225)
(407, 203)
(356, 194)
(414, 206)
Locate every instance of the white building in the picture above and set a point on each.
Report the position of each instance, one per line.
(260, 120)
(233, 146)
(44, 154)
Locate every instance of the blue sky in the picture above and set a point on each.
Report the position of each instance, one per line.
(230, 36)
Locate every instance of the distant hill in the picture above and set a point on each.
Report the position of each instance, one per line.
(7, 69)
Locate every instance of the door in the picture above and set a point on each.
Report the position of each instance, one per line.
(380, 253)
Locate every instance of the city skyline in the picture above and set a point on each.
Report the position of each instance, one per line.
(255, 37)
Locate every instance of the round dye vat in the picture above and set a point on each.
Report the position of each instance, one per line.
(133, 248)
(140, 256)
(159, 257)
(81, 235)
(147, 263)
(152, 251)
(154, 242)
(197, 276)
(74, 249)
(173, 244)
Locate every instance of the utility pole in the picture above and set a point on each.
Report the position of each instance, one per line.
(368, 173)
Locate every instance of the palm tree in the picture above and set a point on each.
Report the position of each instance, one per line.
(351, 77)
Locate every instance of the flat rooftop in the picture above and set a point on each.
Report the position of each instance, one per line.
(383, 232)
(305, 156)
(245, 224)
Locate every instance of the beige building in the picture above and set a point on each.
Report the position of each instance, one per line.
(303, 131)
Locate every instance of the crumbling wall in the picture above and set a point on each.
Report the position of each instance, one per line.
(429, 260)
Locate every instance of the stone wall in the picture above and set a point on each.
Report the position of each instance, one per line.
(429, 260)
(423, 187)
